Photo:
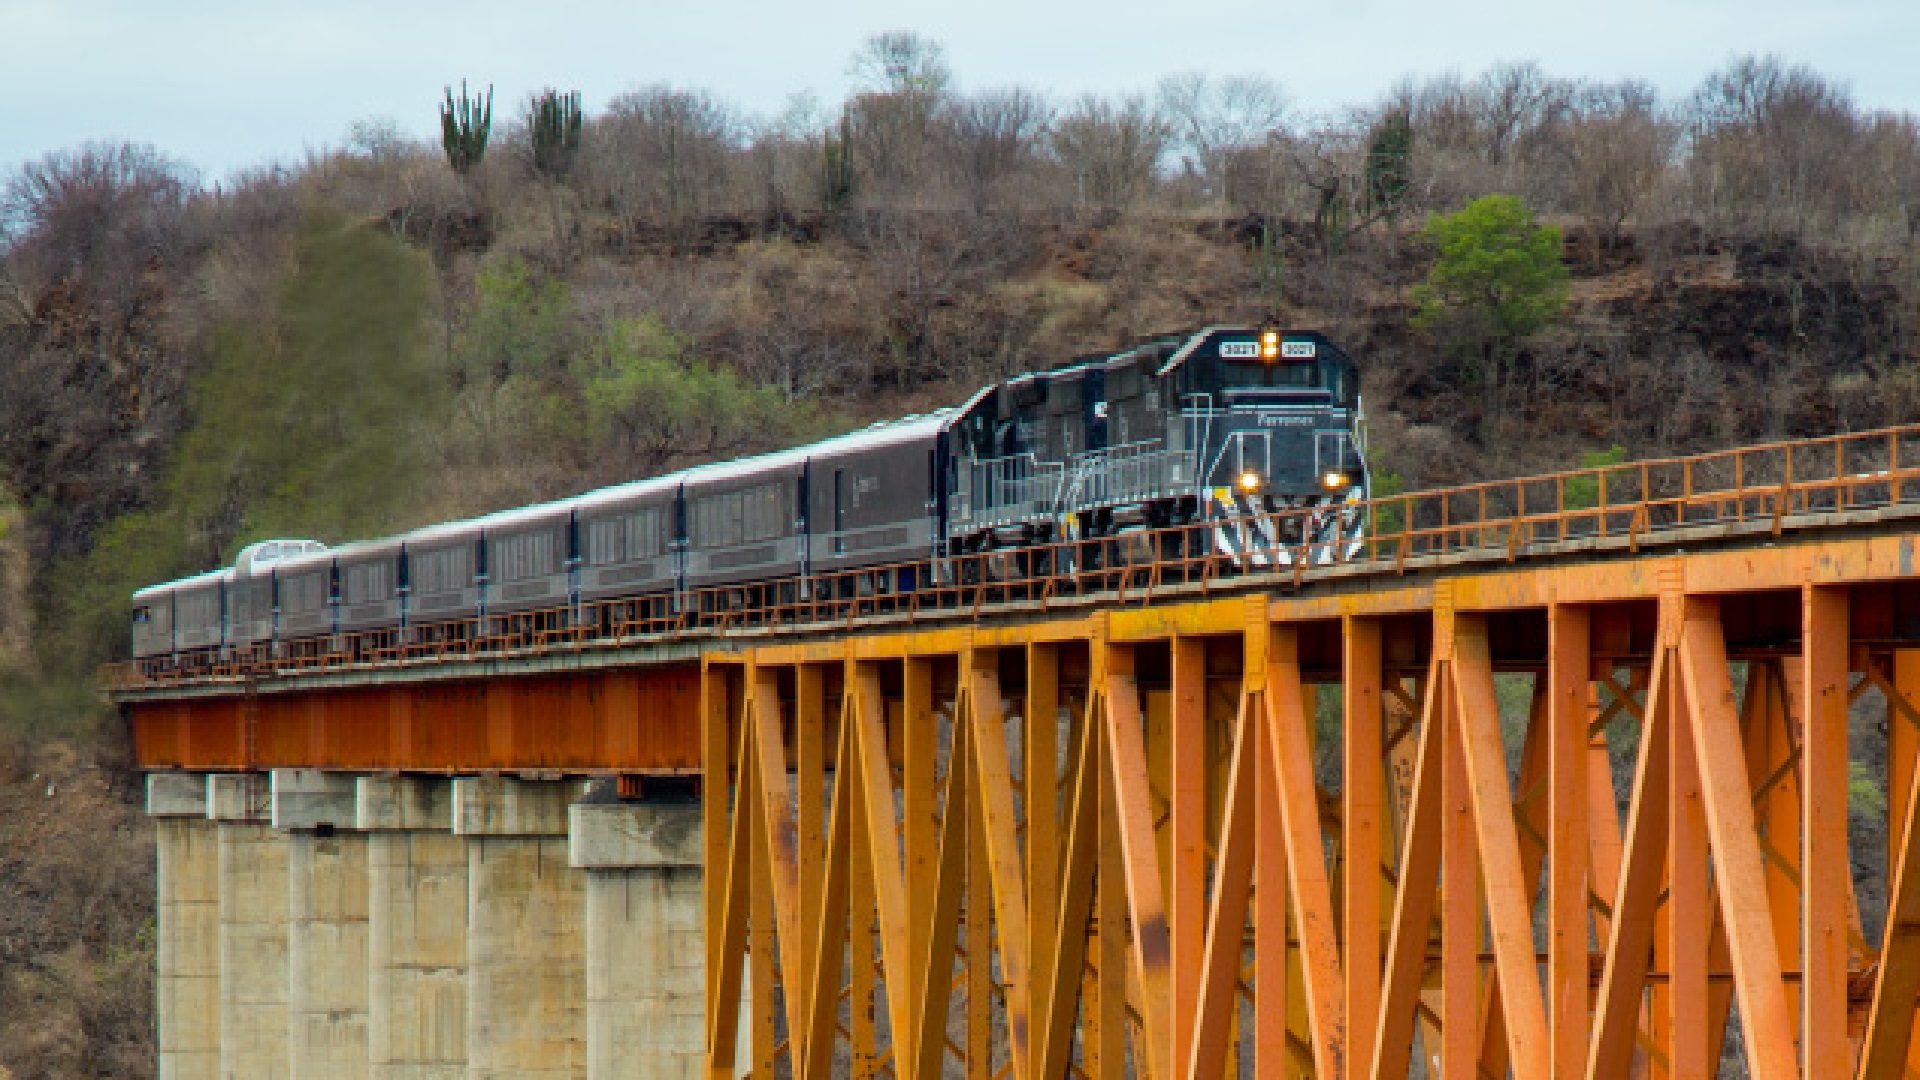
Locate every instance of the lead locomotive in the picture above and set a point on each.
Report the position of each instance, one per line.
(1096, 459)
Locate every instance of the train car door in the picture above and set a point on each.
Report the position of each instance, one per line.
(839, 511)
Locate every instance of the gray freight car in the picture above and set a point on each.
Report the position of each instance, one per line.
(628, 542)
(876, 496)
(442, 581)
(745, 521)
(528, 562)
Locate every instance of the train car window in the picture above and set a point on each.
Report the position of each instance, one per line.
(442, 571)
(524, 556)
(304, 592)
(633, 535)
(199, 608)
(142, 615)
(765, 511)
(365, 583)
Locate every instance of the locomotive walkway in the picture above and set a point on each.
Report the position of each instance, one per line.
(1548, 776)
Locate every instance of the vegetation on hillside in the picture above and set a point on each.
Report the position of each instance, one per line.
(1530, 269)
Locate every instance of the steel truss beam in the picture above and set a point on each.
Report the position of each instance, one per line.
(1360, 843)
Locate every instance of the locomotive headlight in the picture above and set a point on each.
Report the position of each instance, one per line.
(1270, 345)
(1334, 480)
(1249, 481)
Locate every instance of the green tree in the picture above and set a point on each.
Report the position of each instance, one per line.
(308, 422)
(1583, 492)
(1497, 279)
(518, 325)
(640, 401)
(1389, 519)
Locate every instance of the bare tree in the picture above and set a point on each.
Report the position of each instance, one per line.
(1212, 119)
(992, 137)
(1770, 144)
(97, 214)
(666, 154)
(1618, 145)
(1515, 101)
(902, 62)
(905, 82)
(1112, 151)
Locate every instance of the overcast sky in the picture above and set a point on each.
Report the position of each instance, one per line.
(231, 84)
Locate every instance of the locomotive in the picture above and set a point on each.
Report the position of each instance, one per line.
(1198, 439)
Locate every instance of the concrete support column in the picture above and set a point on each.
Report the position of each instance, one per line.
(526, 1013)
(253, 929)
(416, 929)
(645, 987)
(187, 927)
(327, 924)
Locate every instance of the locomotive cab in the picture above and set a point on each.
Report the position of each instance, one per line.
(1277, 417)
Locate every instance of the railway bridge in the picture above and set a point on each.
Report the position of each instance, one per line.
(1601, 774)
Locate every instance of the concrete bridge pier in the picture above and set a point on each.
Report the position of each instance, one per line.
(525, 946)
(644, 943)
(187, 927)
(416, 929)
(320, 926)
(327, 924)
(253, 929)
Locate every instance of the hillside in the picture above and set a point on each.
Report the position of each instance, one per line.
(370, 340)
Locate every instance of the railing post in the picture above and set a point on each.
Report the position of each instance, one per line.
(1893, 467)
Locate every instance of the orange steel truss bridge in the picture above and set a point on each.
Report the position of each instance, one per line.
(1601, 774)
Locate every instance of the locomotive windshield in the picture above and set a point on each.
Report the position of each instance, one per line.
(1304, 364)
(1290, 374)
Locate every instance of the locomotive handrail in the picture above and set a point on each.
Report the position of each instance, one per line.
(1763, 489)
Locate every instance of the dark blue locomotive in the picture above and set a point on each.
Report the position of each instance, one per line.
(1100, 457)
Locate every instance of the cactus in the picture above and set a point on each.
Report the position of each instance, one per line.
(1389, 152)
(836, 181)
(553, 128)
(1269, 262)
(464, 128)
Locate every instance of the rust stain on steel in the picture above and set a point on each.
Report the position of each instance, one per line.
(639, 720)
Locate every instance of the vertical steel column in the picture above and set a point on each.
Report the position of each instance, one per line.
(1273, 964)
(1686, 911)
(1187, 812)
(1362, 831)
(1825, 870)
(1040, 716)
(809, 759)
(919, 744)
(1459, 892)
(1569, 663)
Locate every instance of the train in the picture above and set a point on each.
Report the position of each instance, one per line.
(1199, 438)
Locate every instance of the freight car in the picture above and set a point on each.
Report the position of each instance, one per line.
(1096, 459)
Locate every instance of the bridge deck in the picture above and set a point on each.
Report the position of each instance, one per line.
(1490, 796)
